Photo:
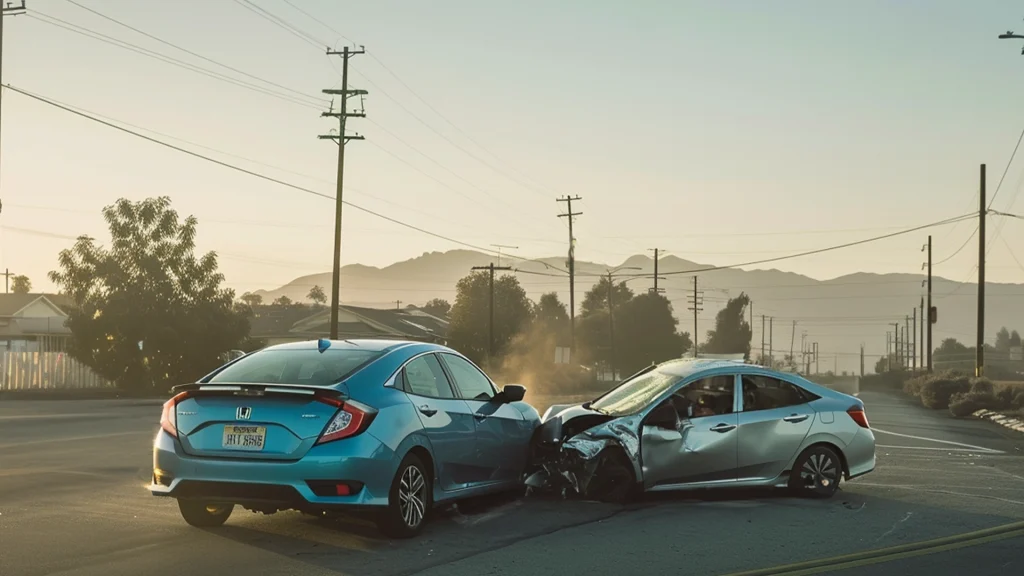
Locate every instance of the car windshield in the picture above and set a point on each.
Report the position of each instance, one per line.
(633, 395)
(303, 367)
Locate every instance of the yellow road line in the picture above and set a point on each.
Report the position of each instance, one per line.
(868, 557)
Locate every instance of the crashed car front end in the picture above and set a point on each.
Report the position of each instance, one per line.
(579, 452)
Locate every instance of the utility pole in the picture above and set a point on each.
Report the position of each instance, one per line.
(656, 290)
(896, 342)
(817, 368)
(398, 304)
(763, 358)
(931, 310)
(792, 341)
(7, 10)
(500, 246)
(490, 325)
(922, 333)
(907, 352)
(7, 280)
(342, 139)
(979, 363)
(696, 301)
(913, 345)
(862, 360)
(771, 342)
(572, 269)
(888, 351)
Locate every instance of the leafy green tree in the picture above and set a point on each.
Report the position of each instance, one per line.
(20, 284)
(468, 330)
(596, 299)
(1014, 339)
(316, 294)
(732, 332)
(551, 315)
(645, 333)
(147, 311)
(282, 300)
(438, 307)
(251, 299)
(1003, 340)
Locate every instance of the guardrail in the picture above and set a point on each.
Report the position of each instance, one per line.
(47, 371)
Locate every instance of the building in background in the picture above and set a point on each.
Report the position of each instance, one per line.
(33, 323)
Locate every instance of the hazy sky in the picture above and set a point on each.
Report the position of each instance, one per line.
(721, 132)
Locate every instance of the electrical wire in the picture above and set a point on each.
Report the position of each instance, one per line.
(283, 24)
(1005, 170)
(271, 179)
(88, 33)
(191, 53)
(958, 250)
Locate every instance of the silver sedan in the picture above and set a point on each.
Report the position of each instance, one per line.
(689, 424)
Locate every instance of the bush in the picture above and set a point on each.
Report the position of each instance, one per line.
(982, 386)
(936, 390)
(913, 386)
(1018, 401)
(966, 403)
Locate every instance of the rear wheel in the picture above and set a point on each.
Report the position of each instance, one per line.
(816, 473)
(204, 514)
(409, 500)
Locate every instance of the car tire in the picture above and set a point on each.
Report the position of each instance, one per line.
(614, 479)
(409, 500)
(204, 514)
(816, 473)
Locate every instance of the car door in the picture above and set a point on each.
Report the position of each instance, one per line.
(774, 420)
(447, 420)
(501, 434)
(703, 447)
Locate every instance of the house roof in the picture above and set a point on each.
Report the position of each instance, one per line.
(11, 304)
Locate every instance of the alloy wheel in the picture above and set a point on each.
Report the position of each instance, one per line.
(819, 472)
(412, 496)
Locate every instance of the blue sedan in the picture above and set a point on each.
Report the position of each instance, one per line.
(383, 426)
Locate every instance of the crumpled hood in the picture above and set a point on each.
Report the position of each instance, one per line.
(566, 412)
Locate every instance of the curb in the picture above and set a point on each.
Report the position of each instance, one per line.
(1001, 419)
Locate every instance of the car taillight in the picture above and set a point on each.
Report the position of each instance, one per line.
(858, 415)
(169, 417)
(351, 419)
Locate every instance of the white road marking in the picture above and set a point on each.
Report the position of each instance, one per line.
(924, 489)
(73, 439)
(977, 448)
(985, 450)
(55, 416)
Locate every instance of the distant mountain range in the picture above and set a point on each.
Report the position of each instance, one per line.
(840, 314)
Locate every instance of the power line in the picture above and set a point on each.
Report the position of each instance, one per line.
(318, 21)
(1007, 169)
(190, 52)
(83, 31)
(283, 24)
(264, 177)
(958, 250)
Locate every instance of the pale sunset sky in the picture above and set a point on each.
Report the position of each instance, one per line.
(721, 132)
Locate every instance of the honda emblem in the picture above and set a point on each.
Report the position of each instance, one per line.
(243, 413)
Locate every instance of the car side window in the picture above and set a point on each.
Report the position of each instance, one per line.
(425, 377)
(766, 393)
(470, 381)
(712, 396)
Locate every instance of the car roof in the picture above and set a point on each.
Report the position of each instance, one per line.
(373, 345)
(690, 367)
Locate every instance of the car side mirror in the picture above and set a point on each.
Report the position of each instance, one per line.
(513, 393)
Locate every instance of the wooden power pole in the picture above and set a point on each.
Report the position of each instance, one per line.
(490, 325)
(341, 138)
(979, 364)
(572, 268)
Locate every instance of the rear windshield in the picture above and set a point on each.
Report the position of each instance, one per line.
(304, 367)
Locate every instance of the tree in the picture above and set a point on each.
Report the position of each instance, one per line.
(147, 311)
(468, 330)
(282, 300)
(316, 294)
(732, 332)
(1003, 340)
(251, 299)
(1014, 339)
(551, 314)
(596, 299)
(645, 333)
(952, 355)
(21, 284)
(438, 307)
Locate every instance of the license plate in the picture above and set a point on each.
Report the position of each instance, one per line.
(244, 437)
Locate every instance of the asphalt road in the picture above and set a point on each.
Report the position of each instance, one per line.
(72, 501)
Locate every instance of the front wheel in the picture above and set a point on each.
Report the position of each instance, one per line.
(409, 500)
(204, 514)
(816, 473)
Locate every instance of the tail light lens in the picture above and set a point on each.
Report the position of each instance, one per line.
(858, 415)
(352, 418)
(169, 417)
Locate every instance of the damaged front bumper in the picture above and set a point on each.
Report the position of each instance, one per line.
(581, 453)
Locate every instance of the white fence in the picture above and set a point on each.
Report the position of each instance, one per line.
(46, 371)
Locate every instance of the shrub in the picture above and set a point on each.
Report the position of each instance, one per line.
(937, 390)
(914, 385)
(966, 403)
(982, 386)
(1018, 401)
(1006, 394)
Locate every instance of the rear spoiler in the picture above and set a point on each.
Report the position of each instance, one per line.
(262, 390)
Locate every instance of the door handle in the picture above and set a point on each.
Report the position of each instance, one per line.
(723, 428)
(427, 410)
(479, 416)
(795, 418)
